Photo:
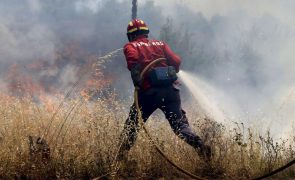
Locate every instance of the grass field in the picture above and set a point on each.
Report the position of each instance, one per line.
(84, 147)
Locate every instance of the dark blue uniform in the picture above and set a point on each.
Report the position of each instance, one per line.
(166, 99)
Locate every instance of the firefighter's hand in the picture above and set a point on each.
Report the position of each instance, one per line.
(135, 75)
(171, 71)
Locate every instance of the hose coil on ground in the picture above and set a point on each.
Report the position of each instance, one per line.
(139, 116)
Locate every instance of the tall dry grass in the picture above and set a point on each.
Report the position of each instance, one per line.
(86, 145)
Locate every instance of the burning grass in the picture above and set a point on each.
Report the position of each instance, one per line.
(84, 147)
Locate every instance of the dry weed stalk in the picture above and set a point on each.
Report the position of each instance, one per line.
(86, 147)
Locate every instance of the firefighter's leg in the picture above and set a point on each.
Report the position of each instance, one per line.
(179, 122)
(129, 133)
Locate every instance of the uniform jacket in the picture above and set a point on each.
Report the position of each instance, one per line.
(143, 51)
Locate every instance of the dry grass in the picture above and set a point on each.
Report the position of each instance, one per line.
(86, 145)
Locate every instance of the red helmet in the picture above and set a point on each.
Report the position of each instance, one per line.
(137, 27)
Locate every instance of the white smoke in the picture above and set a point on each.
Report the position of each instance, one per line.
(69, 75)
(35, 5)
(85, 5)
(242, 48)
(283, 10)
(246, 50)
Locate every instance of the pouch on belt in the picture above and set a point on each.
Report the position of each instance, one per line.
(162, 76)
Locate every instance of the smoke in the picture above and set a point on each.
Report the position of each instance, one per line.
(68, 76)
(244, 49)
(92, 5)
(25, 44)
(49, 40)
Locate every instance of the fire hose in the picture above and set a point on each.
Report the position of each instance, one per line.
(142, 126)
(161, 152)
(141, 122)
(287, 165)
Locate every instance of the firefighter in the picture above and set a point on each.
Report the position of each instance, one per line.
(155, 92)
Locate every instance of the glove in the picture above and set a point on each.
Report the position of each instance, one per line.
(135, 75)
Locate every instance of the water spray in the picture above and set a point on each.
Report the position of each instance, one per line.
(198, 88)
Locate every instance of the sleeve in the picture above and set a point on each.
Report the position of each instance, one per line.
(173, 58)
(131, 55)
